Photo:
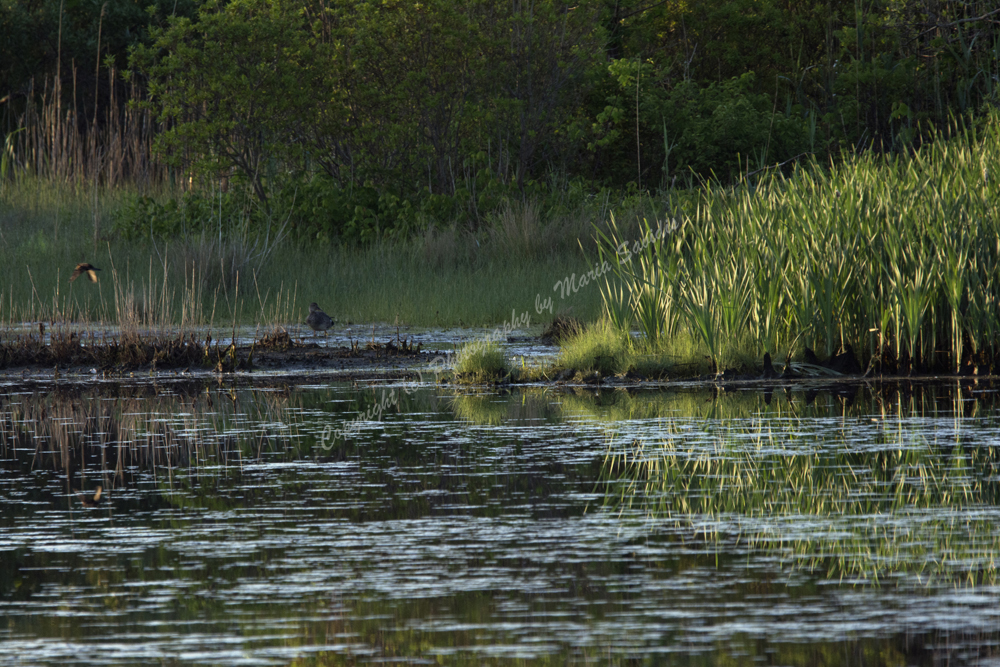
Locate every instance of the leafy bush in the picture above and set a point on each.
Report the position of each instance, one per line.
(193, 213)
(321, 210)
(318, 210)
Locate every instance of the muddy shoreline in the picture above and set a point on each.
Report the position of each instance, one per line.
(296, 362)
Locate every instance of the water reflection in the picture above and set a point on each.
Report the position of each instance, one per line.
(859, 497)
(818, 525)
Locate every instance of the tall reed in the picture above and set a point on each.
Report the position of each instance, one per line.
(57, 140)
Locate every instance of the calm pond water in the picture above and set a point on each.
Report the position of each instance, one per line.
(271, 522)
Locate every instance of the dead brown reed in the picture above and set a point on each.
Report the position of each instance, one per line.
(113, 147)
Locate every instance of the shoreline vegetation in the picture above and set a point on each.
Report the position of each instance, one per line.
(875, 265)
(888, 259)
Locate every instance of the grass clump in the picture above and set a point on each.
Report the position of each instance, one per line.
(600, 348)
(604, 349)
(482, 361)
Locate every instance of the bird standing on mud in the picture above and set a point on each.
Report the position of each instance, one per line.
(87, 269)
(318, 320)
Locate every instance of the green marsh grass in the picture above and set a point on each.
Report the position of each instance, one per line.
(60, 188)
(207, 281)
(601, 348)
(605, 349)
(893, 255)
(482, 361)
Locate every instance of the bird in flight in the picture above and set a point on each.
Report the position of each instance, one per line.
(87, 269)
(90, 501)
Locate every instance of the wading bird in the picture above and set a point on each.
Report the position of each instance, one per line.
(318, 320)
(87, 269)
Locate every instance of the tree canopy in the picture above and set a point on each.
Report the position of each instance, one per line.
(414, 100)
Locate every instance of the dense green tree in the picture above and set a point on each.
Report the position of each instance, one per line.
(422, 88)
(391, 92)
(232, 88)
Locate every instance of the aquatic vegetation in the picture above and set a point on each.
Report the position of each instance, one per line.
(602, 348)
(892, 255)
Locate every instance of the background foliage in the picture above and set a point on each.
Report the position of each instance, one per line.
(351, 121)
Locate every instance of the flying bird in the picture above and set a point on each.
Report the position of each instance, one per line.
(318, 320)
(90, 501)
(87, 269)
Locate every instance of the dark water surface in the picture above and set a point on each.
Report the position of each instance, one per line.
(240, 525)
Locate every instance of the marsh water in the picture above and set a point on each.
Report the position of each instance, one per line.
(279, 520)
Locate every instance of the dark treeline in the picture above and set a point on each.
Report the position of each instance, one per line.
(367, 117)
(44, 39)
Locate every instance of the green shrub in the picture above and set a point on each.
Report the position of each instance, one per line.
(712, 130)
(191, 214)
(318, 210)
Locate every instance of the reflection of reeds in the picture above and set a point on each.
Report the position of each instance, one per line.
(612, 408)
(142, 429)
(867, 498)
(527, 407)
(479, 410)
